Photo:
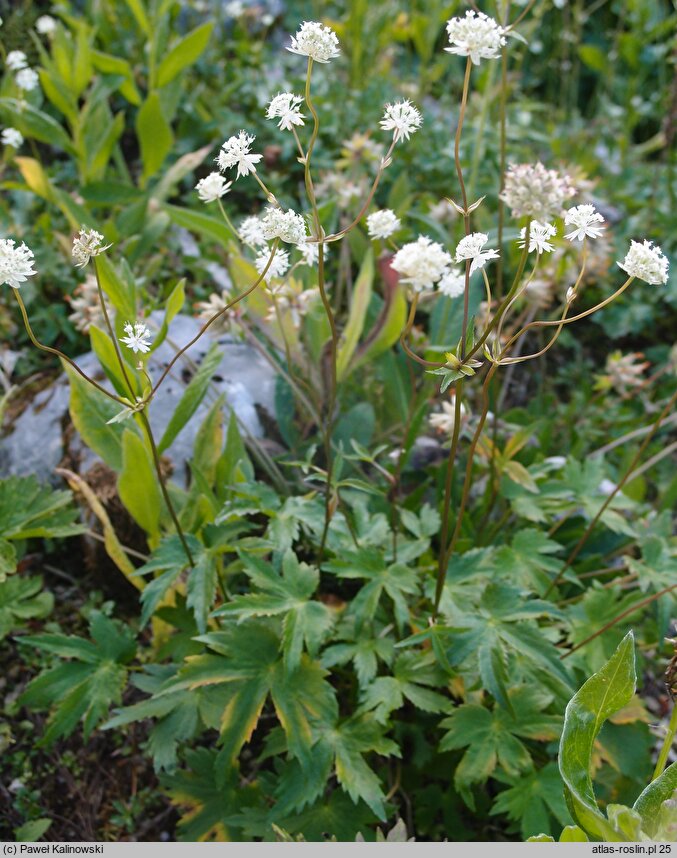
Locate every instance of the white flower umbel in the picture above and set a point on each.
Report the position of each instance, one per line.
(443, 421)
(138, 337)
(212, 187)
(12, 137)
(26, 79)
(531, 189)
(402, 118)
(382, 224)
(285, 107)
(45, 25)
(16, 263)
(16, 60)
(421, 263)
(476, 36)
(470, 247)
(452, 284)
(235, 153)
(278, 267)
(539, 235)
(287, 226)
(251, 232)
(86, 305)
(583, 218)
(316, 41)
(646, 262)
(87, 244)
(310, 252)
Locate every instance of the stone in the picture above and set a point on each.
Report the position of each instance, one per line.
(35, 442)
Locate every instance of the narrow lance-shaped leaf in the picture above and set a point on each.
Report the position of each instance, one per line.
(604, 693)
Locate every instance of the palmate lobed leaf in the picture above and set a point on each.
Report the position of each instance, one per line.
(22, 599)
(533, 800)
(289, 594)
(494, 738)
(86, 688)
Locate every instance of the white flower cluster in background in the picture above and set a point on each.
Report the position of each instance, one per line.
(12, 137)
(212, 187)
(382, 224)
(25, 78)
(421, 263)
(16, 263)
(531, 189)
(287, 226)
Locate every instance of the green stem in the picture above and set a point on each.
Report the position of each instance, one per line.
(667, 744)
(111, 333)
(464, 197)
(163, 487)
(451, 461)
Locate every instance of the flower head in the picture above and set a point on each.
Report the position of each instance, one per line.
(138, 337)
(646, 262)
(12, 137)
(583, 218)
(26, 79)
(86, 305)
(532, 190)
(212, 187)
(443, 421)
(45, 25)
(16, 60)
(421, 263)
(402, 118)
(235, 152)
(316, 41)
(287, 226)
(278, 267)
(476, 36)
(310, 252)
(382, 224)
(539, 235)
(251, 232)
(624, 372)
(16, 263)
(87, 244)
(452, 284)
(285, 106)
(471, 246)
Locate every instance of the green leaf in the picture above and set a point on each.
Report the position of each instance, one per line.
(173, 305)
(192, 397)
(201, 588)
(83, 689)
(494, 738)
(121, 291)
(33, 123)
(137, 485)
(105, 351)
(28, 509)
(359, 305)
(203, 224)
(532, 800)
(650, 802)
(184, 54)
(604, 693)
(155, 135)
(22, 599)
(32, 831)
(109, 64)
(138, 10)
(170, 559)
(305, 621)
(414, 677)
(8, 559)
